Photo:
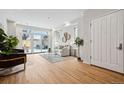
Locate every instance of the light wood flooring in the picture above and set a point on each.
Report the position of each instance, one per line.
(69, 71)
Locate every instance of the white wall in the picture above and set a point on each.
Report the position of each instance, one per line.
(84, 32)
(3, 21)
(11, 28)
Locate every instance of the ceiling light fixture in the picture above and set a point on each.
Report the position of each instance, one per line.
(67, 24)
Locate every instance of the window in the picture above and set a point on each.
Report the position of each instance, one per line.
(35, 41)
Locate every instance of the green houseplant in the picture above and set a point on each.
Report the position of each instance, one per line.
(7, 43)
(79, 42)
(2, 35)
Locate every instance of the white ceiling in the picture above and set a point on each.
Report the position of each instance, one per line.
(46, 18)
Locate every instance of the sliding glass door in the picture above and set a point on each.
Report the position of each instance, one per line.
(40, 41)
(44, 42)
(35, 41)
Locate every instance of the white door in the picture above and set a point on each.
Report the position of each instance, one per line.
(107, 42)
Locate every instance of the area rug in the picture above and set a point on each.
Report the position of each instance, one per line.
(53, 58)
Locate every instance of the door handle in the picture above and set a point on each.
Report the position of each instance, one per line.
(120, 47)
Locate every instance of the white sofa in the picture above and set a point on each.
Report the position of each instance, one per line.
(64, 51)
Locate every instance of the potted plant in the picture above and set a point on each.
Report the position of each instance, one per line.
(49, 50)
(79, 42)
(7, 43)
(9, 56)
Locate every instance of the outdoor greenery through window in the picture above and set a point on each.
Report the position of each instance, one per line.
(35, 41)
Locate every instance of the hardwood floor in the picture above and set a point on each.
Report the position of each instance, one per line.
(69, 71)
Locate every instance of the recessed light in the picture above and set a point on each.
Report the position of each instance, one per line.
(67, 23)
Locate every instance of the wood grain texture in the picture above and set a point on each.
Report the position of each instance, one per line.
(69, 71)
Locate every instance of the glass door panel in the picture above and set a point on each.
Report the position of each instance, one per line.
(26, 40)
(44, 41)
(36, 43)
